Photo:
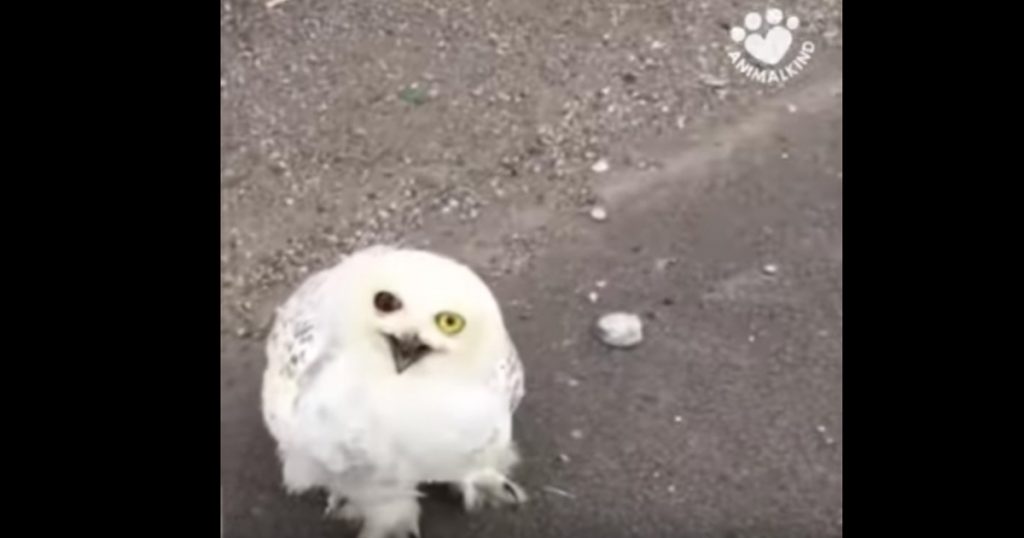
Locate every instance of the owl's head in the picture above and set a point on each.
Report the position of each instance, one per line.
(418, 307)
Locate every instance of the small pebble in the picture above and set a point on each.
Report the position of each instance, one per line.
(572, 382)
(677, 419)
(600, 166)
(770, 269)
(564, 458)
(620, 329)
(599, 214)
(601, 284)
(664, 263)
(592, 297)
(671, 488)
(785, 155)
(824, 433)
(576, 434)
(791, 108)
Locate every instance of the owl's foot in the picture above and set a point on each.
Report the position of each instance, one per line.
(490, 488)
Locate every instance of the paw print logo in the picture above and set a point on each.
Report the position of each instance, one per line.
(771, 47)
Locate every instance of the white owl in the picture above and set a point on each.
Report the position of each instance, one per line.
(389, 370)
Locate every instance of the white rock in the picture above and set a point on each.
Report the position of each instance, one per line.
(600, 166)
(770, 269)
(620, 329)
(662, 264)
(829, 440)
(599, 213)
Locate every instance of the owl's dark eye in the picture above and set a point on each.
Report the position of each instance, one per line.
(386, 302)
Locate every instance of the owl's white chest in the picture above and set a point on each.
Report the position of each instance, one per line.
(398, 427)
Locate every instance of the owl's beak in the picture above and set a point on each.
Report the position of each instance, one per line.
(406, 350)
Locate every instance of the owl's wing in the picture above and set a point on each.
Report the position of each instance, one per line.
(296, 350)
(508, 377)
(297, 340)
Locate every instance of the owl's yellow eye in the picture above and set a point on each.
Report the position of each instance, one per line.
(450, 323)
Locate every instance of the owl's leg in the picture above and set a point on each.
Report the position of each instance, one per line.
(335, 503)
(383, 514)
(490, 485)
(394, 518)
(301, 473)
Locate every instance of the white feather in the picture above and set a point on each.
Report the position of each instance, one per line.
(345, 420)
